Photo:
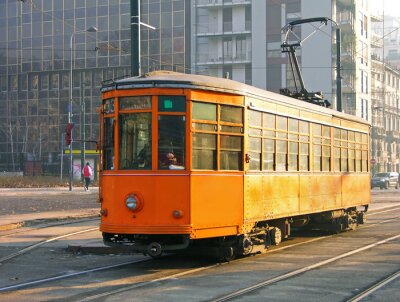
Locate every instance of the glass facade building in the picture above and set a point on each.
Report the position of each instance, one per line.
(35, 68)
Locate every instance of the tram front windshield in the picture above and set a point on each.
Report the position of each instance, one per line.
(136, 149)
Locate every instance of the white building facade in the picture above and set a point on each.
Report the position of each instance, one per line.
(242, 39)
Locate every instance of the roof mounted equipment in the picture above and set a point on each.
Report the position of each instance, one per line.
(287, 47)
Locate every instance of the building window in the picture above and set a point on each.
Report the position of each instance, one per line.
(227, 19)
(227, 49)
(241, 48)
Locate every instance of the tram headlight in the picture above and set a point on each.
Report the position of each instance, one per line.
(133, 202)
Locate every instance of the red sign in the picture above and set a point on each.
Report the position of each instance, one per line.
(373, 161)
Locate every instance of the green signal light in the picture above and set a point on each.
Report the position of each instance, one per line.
(168, 104)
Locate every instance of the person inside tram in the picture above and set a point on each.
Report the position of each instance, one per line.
(170, 162)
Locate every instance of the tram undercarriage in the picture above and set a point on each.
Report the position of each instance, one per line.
(262, 235)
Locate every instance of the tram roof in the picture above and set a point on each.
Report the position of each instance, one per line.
(170, 79)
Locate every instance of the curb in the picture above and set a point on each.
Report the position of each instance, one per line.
(39, 221)
(48, 191)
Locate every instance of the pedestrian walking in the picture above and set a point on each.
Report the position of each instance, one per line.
(87, 172)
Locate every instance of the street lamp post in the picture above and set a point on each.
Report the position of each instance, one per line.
(90, 29)
(136, 69)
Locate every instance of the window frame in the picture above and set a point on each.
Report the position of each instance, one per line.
(221, 129)
(321, 147)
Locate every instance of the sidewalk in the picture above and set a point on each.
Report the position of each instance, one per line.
(30, 206)
(47, 191)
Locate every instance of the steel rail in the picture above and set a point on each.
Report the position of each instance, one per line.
(177, 275)
(40, 243)
(44, 225)
(65, 276)
(375, 287)
(300, 271)
(174, 276)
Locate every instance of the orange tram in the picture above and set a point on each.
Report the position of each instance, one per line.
(192, 162)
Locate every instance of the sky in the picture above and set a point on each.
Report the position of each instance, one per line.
(392, 7)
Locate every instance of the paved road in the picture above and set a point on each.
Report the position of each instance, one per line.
(21, 205)
(333, 281)
(24, 201)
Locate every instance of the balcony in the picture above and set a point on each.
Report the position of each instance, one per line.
(378, 132)
(216, 31)
(376, 17)
(345, 17)
(376, 41)
(225, 3)
(213, 59)
(393, 135)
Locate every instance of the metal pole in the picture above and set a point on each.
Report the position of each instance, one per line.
(70, 114)
(135, 41)
(83, 134)
(62, 155)
(91, 29)
(82, 128)
(338, 75)
(84, 131)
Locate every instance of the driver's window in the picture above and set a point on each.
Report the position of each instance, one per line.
(135, 141)
(171, 142)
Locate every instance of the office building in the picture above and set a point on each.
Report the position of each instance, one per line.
(35, 64)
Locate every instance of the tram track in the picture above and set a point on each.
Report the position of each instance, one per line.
(51, 239)
(246, 290)
(138, 285)
(187, 272)
(375, 287)
(40, 225)
(122, 265)
(69, 275)
(42, 242)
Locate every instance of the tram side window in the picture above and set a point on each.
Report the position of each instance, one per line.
(336, 150)
(214, 123)
(255, 138)
(326, 148)
(358, 158)
(269, 141)
(204, 139)
(344, 151)
(281, 144)
(204, 153)
(231, 138)
(293, 144)
(231, 152)
(304, 149)
(171, 142)
(135, 141)
(317, 148)
(364, 140)
(351, 152)
(108, 145)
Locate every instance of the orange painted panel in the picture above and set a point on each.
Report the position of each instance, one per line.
(319, 192)
(274, 196)
(216, 97)
(356, 189)
(270, 196)
(162, 195)
(216, 201)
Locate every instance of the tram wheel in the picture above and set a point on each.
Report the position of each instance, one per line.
(276, 236)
